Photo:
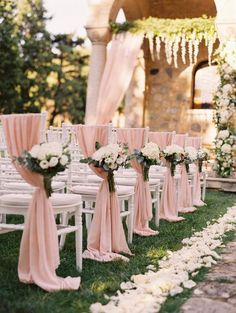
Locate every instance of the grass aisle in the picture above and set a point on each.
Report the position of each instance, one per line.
(98, 278)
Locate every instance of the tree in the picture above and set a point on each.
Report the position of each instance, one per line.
(69, 77)
(36, 53)
(10, 63)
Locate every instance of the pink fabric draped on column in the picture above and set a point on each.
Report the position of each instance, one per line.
(168, 207)
(39, 253)
(117, 74)
(196, 143)
(185, 202)
(106, 236)
(135, 138)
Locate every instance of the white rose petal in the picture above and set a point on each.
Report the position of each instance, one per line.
(53, 162)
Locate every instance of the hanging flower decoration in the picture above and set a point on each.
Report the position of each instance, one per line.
(174, 154)
(109, 158)
(147, 156)
(225, 101)
(202, 155)
(175, 34)
(190, 156)
(46, 159)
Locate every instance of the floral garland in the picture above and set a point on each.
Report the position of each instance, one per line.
(185, 34)
(225, 101)
(146, 292)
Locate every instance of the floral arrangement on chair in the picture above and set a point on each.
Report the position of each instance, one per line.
(147, 156)
(190, 156)
(109, 158)
(202, 155)
(175, 155)
(46, 159)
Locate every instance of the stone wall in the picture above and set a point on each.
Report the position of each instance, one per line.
(168, 99)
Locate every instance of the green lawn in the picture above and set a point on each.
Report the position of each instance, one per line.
(99, 278)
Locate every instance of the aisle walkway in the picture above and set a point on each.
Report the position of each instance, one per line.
(217, 294)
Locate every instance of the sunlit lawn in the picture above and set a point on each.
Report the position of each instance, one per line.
(98, 279)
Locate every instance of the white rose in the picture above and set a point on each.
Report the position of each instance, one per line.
(42, 153)
(223, 134)
(34, 151)
(191, 152)
(64, 160)
(44, 164)
(226, 148)
(227, 89)
(53, 162)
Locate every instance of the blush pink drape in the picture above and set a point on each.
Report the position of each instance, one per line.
(135, 138)
(39, 253)
(117, 75)
(185, 202)
(106, 236)
(168, 207)
(162, 139)
(196, 143)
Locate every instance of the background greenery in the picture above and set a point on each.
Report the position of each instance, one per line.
(99, 279)
(37, 69)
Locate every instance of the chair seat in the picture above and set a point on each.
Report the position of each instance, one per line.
(92, 190)
(56, 185)
(57, 199)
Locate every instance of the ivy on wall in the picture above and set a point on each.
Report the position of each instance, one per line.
(185, 34)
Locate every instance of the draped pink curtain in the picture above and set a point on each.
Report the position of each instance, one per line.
(185, 202)
(163, 139)
(106, 236)
(39, 253)
(117, 74)
(168, 207)
(196, 143)
(135, 138)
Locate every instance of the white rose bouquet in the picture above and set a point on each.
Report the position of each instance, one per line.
(190, 156)
(202, 155)
(175, 155)
(147, 156)
(46, 159)
(109, 158)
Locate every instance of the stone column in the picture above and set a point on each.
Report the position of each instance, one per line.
(99, 37)
(226, 20)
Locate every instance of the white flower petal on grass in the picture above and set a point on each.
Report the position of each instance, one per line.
(189, 284)
(151, 289)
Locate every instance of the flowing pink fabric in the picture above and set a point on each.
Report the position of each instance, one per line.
(117, 75)
(185, 202)
(106, 236)
(196, 143)
(135, 138)
(39, 253)
(163, 139)
(168, 207)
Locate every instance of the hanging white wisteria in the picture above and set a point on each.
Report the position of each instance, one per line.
(174, 35)
(225, 102)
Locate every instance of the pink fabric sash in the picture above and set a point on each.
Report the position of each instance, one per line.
(163, 139)
(106, 236)
(135, 138)
(168, 206)
(196, 143)
(185, 203)
(39, 253)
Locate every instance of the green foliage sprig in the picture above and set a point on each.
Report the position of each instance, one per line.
(191, 28)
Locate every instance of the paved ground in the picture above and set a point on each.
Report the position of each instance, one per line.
(217, 294)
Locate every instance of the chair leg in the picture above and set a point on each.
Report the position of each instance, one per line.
(130, 219)
(64, 221)
(78, 239)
